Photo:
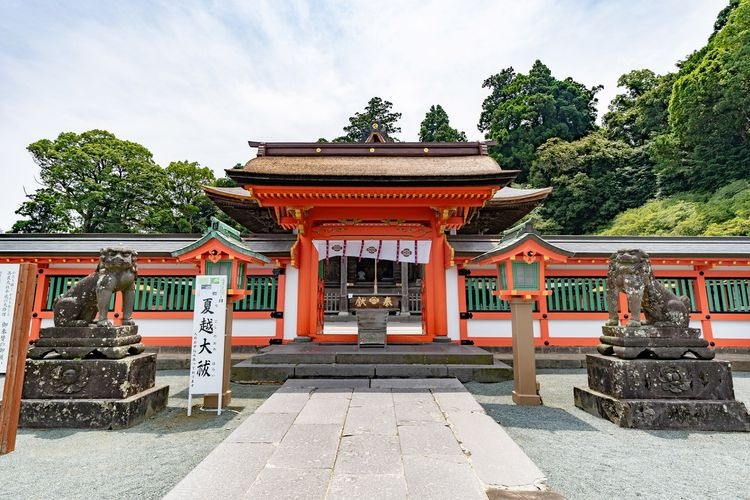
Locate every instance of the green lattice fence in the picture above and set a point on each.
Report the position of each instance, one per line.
(576, 294)
(589, 294)
(175, 293)
(728, 295)
(164, 293)
(479, 297)
(263, 296)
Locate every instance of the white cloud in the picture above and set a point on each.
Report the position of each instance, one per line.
(196, 80)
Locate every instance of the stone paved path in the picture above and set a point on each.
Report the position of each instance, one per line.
(364, 439)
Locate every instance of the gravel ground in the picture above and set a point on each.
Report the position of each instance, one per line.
(143, 462)
(588, 457)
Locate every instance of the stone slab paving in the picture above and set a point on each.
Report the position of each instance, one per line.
(355, 439)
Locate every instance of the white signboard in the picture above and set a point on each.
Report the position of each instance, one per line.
(8, 289)
(207, 355)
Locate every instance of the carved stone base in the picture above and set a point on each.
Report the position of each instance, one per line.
(675, 414)
(662, 394)
(632, 348)
(72, 342)
(661, 342)
(93, 413)
(88, 378)
(652, 331)
(90, 393)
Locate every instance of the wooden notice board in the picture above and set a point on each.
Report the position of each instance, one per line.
(18, 307)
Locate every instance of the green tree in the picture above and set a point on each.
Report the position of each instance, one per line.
(523, 111)
(593, 179)
(640, 113)
(725, 212)
(436, 127)
(376, 110)
(91, 182)
(709, 111)
(182, 206)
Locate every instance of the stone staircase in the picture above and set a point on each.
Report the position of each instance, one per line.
(278, 363)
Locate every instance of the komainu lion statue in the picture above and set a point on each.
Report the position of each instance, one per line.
(86, 303)
(630, 272)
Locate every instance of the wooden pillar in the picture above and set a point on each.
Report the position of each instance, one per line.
(307, 297)
(19, 342)
(525, 388)
(438, 307)
(280, 296)
(344, 288)
(405, 289)
(40, 297)
(701, 295)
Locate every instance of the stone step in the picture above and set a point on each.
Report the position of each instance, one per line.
(466, 355)
(249, 372)
(565, 361)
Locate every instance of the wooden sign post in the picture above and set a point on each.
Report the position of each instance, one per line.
(16, 303)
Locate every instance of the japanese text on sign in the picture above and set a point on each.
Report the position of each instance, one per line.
(8, 288)
(207, 354)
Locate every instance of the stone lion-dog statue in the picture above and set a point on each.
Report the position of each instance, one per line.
(86, 303)
(630, 272)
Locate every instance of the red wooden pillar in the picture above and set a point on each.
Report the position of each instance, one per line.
(435, 269)
(701, 295)
(40, 295)
(462, 308)
(307, 297)
(280, 297)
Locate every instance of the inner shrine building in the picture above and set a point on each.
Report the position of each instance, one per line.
(433, 225)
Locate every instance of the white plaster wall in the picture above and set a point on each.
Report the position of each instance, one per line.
(494, 328)
(182, 327)
(451, 297)
(255, 327)
(575, 328)
(47, 322)
(730, 329)
(290, 303)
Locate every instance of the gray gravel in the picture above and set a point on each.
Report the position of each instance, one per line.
(589, 457)
(143, 462)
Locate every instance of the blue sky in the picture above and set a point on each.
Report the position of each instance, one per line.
(196, 79)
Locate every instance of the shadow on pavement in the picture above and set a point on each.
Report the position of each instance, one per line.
(536, 417)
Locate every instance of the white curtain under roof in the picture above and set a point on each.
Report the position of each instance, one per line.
(396, 250)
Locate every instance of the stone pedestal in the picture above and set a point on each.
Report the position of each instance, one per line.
(679, 394)
(663, 342)
(96, 392)
(73, 342)
(372, 327)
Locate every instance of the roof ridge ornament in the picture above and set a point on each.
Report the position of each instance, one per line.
(376, 134)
